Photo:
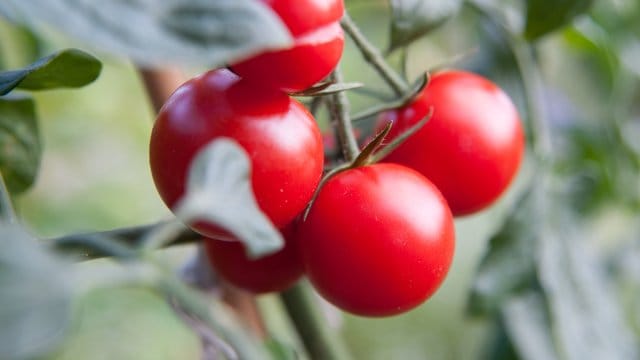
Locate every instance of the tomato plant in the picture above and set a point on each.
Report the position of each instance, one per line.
(233, 155)
(318, 44)
(378, 240)
(472, 146)
(275, 272)
(279, 135)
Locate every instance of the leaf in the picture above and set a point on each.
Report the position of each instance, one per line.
(194, 32)
(219, 191)
(507, 13)
(328, 88)
(545, 16)
(20, 147)
(35, 302)
(527, 322)
(411, 19)
(65, 69)
(509, 265)
(586, 316)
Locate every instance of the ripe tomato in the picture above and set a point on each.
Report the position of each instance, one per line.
(275, 272)
(471, 148)
(278, 133)
(318, 45)
(378, 240)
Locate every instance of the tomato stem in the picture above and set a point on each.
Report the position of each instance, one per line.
(90, 248)
(319, 340)
(339, 108)
(373, 56)
(401, 138)
(241, 345)
(403, 100)
(365, 156)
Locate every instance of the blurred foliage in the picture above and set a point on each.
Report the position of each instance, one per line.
(557, 258)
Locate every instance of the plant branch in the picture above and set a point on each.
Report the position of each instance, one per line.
(373, 56)
(396, 103)
(339, 108)
(160, 84)
(7, 213)
(99, 244)
(320, 341)
(243, 345)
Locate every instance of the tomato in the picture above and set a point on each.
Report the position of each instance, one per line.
(275, 272)
(378, 240)
(317, 48)
(279, 135)
(473, 145)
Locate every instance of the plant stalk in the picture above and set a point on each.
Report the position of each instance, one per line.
(319, 339)
(373, 56)
(339, 107)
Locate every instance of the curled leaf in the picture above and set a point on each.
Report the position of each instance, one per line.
(219, 191)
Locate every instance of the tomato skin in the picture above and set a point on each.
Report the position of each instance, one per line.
(473, 145)
(279, 135)
(303, 16)
(378, 241)
(317, 48)
(271, 273)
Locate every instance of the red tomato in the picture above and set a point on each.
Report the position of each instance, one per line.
(471, 148)
(278, 133)
(378, 240)
(318, 45)
(275, 272)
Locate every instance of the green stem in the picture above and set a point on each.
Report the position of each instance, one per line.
(400, 139)
(242, 344)
(7, 213)
(533, 90)
(404, 61)
(373, 56)
(396, 103)
(339, 107)
(319, 340)
(97, 245)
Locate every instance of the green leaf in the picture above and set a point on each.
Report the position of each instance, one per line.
(20, 147)
(509, 14)
(585, 310)
(65, 69)
(194, 32)
(545, 16)
(527, 322)
(411, 19)
(219, 191)
(35, 301)
(509, 265)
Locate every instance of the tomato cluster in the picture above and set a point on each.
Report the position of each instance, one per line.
(378, 239)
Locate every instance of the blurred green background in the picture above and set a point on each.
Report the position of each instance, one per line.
(95, 176)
